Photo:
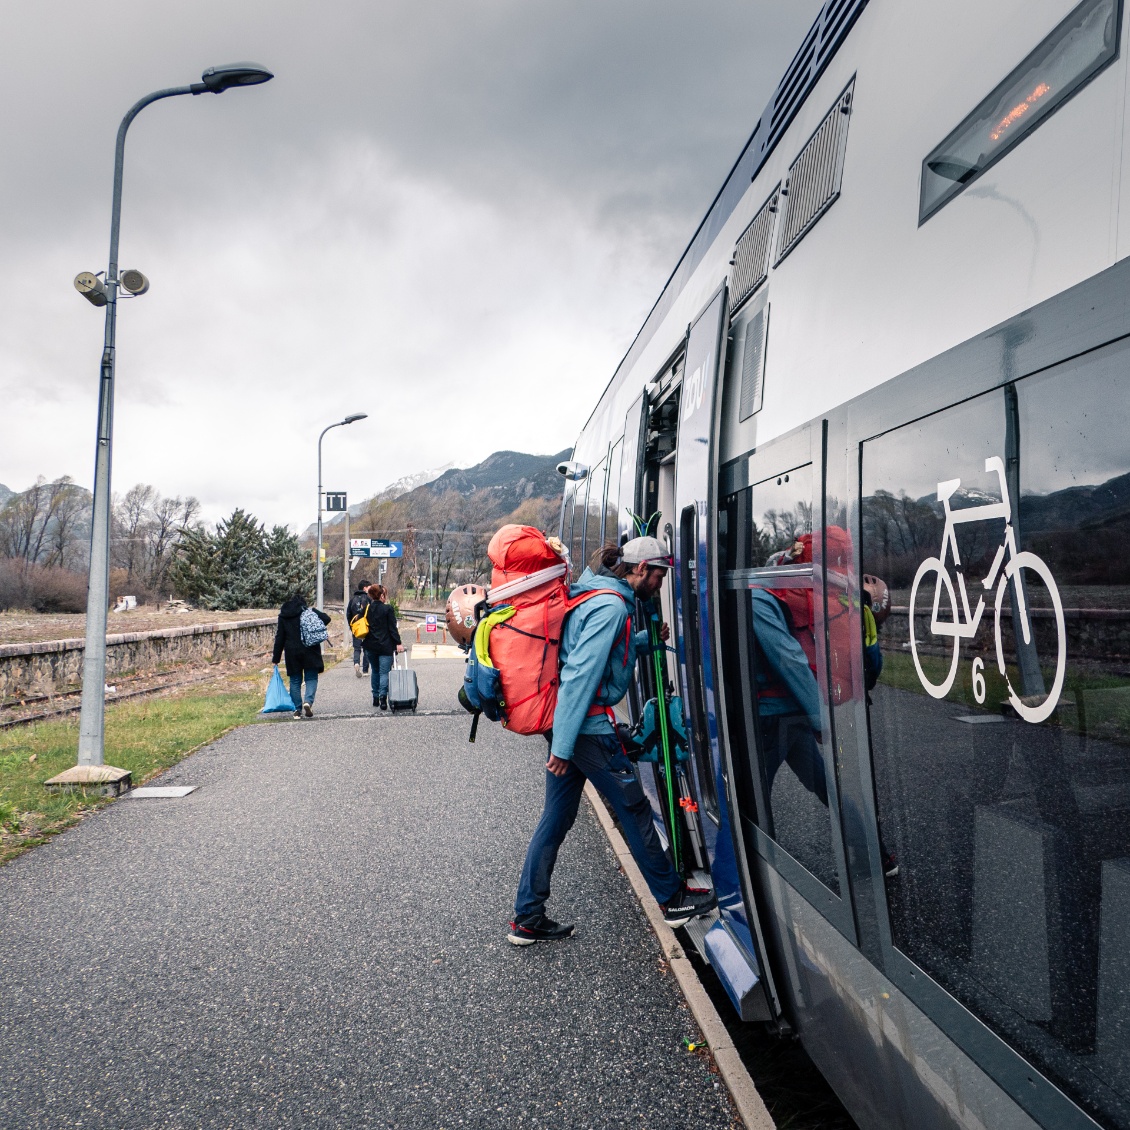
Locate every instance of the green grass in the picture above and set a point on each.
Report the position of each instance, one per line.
(1092, 702)
(144, 737)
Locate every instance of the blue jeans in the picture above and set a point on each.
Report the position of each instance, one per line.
(378, 675)
(789, 737)
(311, 678)
(599, 758)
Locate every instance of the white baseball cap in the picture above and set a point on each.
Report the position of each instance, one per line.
(646, 551)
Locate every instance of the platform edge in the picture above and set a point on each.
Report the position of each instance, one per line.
(750, 1105)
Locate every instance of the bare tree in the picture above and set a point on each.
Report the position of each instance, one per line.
(68, 507)
(132, 516)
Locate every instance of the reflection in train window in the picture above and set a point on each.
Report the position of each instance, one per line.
(611, 505)
(769, 644)
(595, 512)
(567, 513)
(577, 535)
(1001, 723)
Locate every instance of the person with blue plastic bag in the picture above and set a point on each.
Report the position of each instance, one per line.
(299, 636)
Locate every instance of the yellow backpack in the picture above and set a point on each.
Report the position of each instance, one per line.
(359, 625)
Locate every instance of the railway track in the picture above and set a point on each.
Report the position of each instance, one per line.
(70, 702)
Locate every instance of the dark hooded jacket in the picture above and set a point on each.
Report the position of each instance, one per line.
(288, 640)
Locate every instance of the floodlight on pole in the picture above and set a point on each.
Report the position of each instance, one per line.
(214, 80)
(340, 424)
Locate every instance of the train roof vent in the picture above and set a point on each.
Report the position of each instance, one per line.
(820, 44)
(813, 183)
(753, 364)
(751, 255)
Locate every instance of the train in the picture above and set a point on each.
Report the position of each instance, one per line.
(901, 337)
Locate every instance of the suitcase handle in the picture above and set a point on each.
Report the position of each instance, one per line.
(397, 654)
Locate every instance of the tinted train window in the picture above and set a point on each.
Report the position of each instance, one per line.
(567, 514)
(1001, 723)
(577, 535)
(770, 647)
(611, 505)
(595, 511)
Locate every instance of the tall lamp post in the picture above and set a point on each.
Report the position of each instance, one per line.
(90, 768)
(340, 424)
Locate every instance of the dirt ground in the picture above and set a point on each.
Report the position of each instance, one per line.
(34, 627)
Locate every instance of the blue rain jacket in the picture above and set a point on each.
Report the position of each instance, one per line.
(787, 658)
(594, 666)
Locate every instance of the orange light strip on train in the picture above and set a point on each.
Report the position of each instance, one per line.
(1018, 111)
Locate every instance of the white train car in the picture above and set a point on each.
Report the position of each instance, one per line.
(904, 328)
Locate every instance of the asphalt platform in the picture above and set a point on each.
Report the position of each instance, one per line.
(316, 937)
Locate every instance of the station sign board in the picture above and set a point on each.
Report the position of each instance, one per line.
(335, 501)
(375, 547)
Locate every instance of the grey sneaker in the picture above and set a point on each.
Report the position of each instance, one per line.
(357, 670)
(307, 710)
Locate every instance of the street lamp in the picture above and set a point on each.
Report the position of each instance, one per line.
(340, 424)
(90, 769)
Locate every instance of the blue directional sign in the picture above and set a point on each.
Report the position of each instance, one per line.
(375, 547)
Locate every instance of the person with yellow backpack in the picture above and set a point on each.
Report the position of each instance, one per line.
(358, 602)
(376, 628)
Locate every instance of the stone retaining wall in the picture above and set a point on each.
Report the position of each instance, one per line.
(56, 665)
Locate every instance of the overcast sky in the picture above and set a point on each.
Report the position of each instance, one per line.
(451, 215)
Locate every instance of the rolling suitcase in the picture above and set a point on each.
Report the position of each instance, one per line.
(403, 690)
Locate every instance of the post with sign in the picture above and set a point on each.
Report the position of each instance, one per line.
(336, 502)
(345, 563)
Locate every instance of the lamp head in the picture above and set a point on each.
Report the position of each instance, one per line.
(355, 417)
(219, 79)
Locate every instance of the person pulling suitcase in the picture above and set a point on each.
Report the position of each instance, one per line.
(381, 643)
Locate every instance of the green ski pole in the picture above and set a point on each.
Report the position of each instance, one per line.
(657, 647)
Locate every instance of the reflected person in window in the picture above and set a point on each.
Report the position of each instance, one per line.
(788, 695)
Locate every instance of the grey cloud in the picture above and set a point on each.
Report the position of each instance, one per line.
(428, 195)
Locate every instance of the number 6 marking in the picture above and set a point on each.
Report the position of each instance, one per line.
(978, 680)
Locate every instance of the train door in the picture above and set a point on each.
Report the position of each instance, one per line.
(775, 634)
(654, 496)
(729, 943)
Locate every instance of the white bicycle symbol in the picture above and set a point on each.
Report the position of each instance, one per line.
(964, 626)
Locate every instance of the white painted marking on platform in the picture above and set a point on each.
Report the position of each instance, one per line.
(173, 791)
(979, 719)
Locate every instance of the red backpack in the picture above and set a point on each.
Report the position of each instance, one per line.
(520, 634)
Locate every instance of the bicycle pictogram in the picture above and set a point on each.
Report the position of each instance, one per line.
(1006, 568)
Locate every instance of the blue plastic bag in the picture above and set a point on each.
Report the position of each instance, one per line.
(278, 697)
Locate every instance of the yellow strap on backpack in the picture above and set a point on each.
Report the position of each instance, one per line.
(482, 633)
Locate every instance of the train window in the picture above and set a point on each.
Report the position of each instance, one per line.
(577, 534)
(567, 513)
(1000, 725)
(1078, 49)
(769, 644)
(595, 512)
(611, 506)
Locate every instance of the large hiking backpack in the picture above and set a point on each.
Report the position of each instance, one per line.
(311, 628)
(512, 671)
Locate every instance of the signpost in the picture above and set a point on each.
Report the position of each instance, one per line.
(375, 547)
(336, 501)
(429, 623)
